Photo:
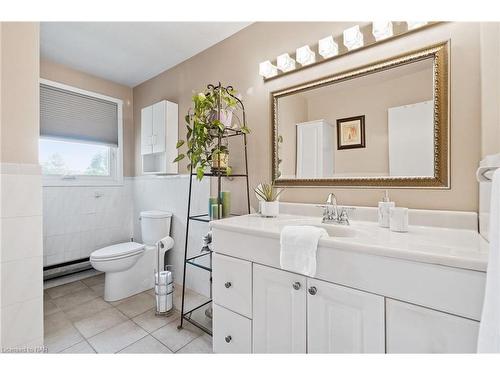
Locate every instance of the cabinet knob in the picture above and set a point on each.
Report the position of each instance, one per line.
(228, 285)
(312, 290)
(296, 285)
(228, 338)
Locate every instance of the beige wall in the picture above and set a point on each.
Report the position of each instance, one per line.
(63, 74)
(235, 61)
(20, 98)
(490, 88)
(292, 111)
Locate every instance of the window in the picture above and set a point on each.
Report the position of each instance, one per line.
(70, 158)
(80, 137)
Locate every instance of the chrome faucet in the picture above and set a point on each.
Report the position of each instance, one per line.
(331, 212)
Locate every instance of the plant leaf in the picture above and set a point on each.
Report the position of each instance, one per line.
(180, 142)
(179, 158)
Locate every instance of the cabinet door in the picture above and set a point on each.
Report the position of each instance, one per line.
(279, 311)
(309, 149)
(415, 329)
(147, 130)
(343, 320)
(159, 124)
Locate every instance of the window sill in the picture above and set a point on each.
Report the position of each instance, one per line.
(80, 182)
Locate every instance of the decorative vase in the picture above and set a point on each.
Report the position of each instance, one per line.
(220, 162)
(269, 209)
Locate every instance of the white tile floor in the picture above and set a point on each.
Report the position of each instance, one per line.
(78, 320)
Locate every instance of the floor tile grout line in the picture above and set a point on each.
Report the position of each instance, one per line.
(175, 351)
(46, 296)
(121, 350)
(70, 322)
(68, 293)
(113, 326)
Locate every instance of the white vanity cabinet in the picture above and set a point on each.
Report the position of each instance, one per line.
(159, 136)
(343, 320)
(279, 311)
(415, 329)
(262, 309)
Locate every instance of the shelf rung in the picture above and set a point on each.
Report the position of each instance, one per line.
(205, 218)
(222, 174)
(206, 268)
(199, 256)
(198, 325)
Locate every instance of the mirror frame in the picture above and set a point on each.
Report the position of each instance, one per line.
(441, 178)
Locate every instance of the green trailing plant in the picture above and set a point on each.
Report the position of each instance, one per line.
(267, 192)
(205, 127)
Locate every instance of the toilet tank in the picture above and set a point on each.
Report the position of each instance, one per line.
(155, 225)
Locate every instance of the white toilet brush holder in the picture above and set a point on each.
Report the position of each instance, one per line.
(164, 285)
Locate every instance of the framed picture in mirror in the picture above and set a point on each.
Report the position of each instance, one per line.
(351, 132)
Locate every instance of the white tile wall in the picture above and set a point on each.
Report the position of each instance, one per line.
(170, 193)
(21, 286)
(75, 222)
(79, 220)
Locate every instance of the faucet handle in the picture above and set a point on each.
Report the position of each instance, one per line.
(344, 217)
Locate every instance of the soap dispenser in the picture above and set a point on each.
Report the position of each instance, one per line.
(384, 211)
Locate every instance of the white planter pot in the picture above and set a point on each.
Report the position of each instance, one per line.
(269, 209)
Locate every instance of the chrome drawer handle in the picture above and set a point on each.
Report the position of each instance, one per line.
(296, 285)
(312, 290)
(228, 284)
(228, 338)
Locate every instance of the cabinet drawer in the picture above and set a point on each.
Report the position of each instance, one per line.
(232, 332)
(232, 284)
(415, 329)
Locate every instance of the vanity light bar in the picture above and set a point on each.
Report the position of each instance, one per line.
(352, 39)
(285, 63)
(415, 24)
(267, 69)
(305, 55)
(382, 30)
(327, 47)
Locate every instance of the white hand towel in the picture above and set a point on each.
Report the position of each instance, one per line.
(489, 329)
(298, 248)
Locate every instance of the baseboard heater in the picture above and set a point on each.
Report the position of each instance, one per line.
(66, 268)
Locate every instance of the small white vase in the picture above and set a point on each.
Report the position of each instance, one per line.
(269, 209)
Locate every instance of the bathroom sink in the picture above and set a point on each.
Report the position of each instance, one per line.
(333, 230)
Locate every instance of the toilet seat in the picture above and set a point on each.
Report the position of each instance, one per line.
(118, 251)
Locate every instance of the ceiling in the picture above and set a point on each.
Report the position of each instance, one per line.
(129, 52)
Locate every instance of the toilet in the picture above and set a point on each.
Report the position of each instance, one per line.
(129, 266)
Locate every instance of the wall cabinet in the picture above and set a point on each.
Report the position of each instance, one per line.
(315, 152)
(159, 135)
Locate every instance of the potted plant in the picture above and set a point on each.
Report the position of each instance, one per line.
(207, 122)
(268, 200)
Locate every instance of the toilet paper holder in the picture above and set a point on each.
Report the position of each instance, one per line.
(164, 285)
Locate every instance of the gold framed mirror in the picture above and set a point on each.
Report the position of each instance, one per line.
(385, 124)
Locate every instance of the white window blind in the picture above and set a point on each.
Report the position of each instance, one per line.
(70, 115)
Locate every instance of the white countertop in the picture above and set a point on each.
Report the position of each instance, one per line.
(459, 248)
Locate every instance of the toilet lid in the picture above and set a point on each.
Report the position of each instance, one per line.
(120, 250)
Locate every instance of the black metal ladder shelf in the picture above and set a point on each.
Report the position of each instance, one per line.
(193, 260)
